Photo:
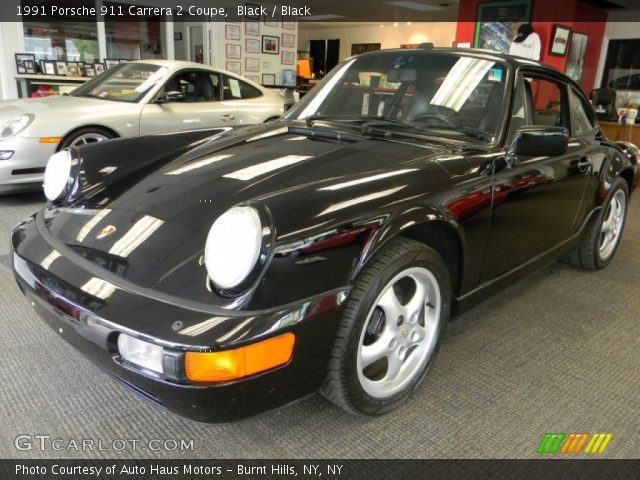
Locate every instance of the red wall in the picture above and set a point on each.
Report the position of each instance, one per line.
(579, 18)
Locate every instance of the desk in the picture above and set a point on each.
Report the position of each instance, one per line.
(621, 133)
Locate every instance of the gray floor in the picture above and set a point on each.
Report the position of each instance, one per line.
(558, 352)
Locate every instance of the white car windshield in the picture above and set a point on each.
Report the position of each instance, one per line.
(419, 93)
(126, 82)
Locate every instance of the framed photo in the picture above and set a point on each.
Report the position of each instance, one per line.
(234, 67)
(48, 67)
(233, 51)
(288, 77)
(268, 79)
(252, 11)
(25, 63)
(288, 58)
(232, 32)
(288, 40)
(252, 28)
(560, 40)
(270, 44)
(61, 68)
(577, 52)
(73, 69)
(89, 70)
(111, 62)
(252, 45)
(289, 25)
(99, 67)
(251, 64)
(271, 23)
(497, 23)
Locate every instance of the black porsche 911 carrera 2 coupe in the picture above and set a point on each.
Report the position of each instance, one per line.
(222, 275)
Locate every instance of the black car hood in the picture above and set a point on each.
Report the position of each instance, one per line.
(159, 223)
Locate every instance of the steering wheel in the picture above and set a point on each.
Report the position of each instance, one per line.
(452, 120)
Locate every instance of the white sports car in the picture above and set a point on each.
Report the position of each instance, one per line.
(131, 99)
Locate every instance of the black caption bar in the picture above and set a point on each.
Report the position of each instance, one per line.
(323, 469)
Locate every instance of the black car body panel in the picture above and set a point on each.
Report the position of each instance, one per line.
(124, 252)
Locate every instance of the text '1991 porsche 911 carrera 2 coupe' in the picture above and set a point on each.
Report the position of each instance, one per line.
(224, 276)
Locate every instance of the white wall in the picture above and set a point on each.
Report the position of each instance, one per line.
(441, 34)
(11, 42)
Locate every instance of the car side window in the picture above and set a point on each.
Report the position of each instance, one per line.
(580, 121)
(195, 85)
(234, 89)
(518, 113)
(548, 102)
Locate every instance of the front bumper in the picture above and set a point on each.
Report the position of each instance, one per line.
(54, 283)
(24, 171)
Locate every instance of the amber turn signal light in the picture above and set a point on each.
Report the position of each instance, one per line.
(240, 362)
(50, 139)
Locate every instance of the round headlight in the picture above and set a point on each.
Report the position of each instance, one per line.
(233, 246)
(57, 176)
(16, 125)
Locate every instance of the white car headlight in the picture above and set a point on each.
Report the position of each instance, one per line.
(57, 175)
(233, 246)
(141, 353)
(16, 125)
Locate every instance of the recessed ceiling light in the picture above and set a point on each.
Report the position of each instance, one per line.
(421, 7)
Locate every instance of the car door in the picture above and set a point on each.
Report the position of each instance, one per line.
(536, 199)
(246, 100)
(199, 104)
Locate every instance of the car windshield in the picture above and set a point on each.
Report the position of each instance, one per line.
(416, 93)
(126, 82)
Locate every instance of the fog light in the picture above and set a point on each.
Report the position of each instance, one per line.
(6, 154)
(240, 362)
(140, 353)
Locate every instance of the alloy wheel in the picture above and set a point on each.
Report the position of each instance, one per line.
(612, 225)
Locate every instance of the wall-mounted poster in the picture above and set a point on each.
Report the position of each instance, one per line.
(288, 58)
(358, 48)
(577, 52)
(252, 45)
(559, 40)
(497, 23)
(288, 40)
(251, 64)
(234, 67)
(232, 32)
(270, 45)
(233, 51)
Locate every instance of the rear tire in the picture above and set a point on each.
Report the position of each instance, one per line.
(604, 234)
(86, 136)
(390, 330)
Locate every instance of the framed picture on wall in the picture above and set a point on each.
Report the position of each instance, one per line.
(232, 32)
(497, 23)
(252, 11)
(270, 44)
(271, 23)
(253, 78)
(234, 67)
(99, 66)
(268, 79)
(233, 51)
(560, 40)
(289, 25)
(25, 63)
(251, 64)
(577, 52)
(252, 28)
(288, 40)
(288, 58)
(252, 45)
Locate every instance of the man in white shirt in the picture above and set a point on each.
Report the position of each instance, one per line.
(526, 44)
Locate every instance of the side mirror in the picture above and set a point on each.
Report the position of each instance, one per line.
(172, 96)
(538, 141)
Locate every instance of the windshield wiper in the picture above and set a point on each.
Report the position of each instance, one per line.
(475, 133)
(339, 118)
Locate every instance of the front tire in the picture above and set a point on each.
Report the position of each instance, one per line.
(390, 331)
(604, 234)
(85, 136)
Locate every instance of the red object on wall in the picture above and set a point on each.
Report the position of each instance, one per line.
(579, 18)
